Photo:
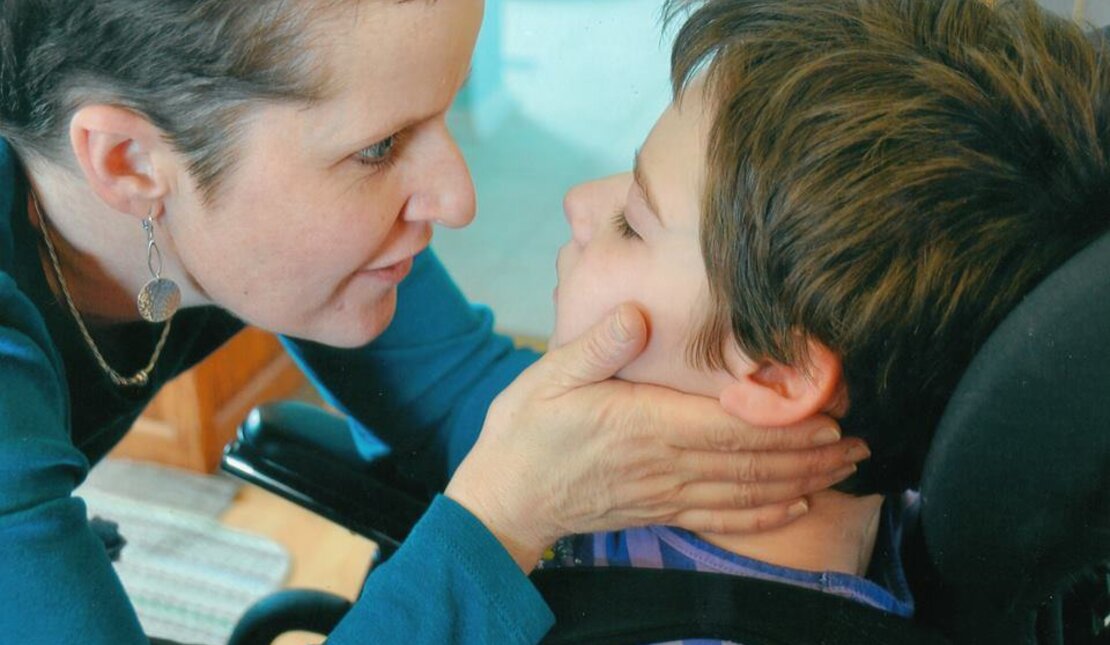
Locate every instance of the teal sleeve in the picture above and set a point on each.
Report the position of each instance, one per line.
(56, 583)
(451, 582)
(422, 388)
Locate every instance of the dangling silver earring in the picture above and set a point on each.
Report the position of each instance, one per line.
(159, 298)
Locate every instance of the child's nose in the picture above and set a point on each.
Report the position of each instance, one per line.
(587, 202)
(576, 207)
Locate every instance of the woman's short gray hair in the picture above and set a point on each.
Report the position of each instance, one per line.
(192, 67)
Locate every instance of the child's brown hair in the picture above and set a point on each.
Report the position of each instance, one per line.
(889, 177)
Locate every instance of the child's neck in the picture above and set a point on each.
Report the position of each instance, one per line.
(837, 534)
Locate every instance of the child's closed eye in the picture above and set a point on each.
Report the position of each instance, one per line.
(623, 227)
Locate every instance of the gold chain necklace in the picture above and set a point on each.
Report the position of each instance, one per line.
(140, 378)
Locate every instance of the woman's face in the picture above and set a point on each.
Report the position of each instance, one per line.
(636, 238)
(319, 220)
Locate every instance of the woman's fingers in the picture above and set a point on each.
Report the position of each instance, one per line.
(751, 520)
(724, 496)
(700, 423)
(798, 465)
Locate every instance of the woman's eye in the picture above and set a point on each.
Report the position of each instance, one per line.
(623, 227)
(377, 154)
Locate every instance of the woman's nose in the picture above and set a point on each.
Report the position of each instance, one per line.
(446, 195)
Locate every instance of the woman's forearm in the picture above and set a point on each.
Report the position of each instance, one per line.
(451, 582)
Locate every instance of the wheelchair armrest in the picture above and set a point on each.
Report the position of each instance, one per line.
(288, 610)
(307, 455)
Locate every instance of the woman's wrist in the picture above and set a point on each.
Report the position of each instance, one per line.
(524, 546)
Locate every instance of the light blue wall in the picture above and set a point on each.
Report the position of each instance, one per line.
(579, 86)
(1097, 12)
(482, 103)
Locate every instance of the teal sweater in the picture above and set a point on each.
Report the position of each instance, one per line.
(421, 389)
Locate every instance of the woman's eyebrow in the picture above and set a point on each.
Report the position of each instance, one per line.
(399, 126)
(641, 180)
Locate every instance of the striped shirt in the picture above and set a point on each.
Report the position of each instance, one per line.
(664, 547)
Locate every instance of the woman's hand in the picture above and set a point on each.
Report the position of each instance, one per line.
(566, 449)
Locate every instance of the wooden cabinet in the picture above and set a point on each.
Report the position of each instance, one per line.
(191, 420)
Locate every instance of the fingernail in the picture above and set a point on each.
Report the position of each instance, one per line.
(845, 472)
(620, 330)
(826, 436)
(858, 452)
(797, 509)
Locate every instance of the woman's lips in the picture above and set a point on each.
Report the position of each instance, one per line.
(392, 274)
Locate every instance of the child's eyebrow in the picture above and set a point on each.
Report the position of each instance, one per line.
(641, 180)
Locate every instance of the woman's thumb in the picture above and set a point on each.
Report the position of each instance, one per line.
(604, 349)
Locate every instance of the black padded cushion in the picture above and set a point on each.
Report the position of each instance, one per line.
(1015, 489)
(306, 455)
(621, 606)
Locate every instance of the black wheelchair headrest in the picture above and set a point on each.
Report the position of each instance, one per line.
(1015, 489)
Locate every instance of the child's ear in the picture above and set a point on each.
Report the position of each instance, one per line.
(769, 393)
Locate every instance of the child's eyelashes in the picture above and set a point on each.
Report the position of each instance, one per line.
(623, 227)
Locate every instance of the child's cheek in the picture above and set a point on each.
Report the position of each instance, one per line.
(591, 284)
(579, 304)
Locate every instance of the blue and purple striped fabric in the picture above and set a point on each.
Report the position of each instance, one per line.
(662, 547)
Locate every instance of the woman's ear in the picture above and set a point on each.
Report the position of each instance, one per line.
(121, 155)
(769, 393)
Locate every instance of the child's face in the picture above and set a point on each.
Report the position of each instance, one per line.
(654, 260)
